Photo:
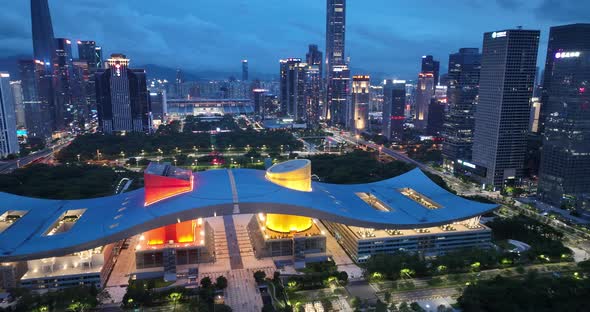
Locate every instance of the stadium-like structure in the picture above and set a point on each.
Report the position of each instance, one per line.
(32, 228)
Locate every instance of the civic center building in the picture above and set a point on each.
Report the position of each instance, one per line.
(47, 244)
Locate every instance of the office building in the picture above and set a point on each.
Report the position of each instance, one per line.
(8, 140)
(424, 94)
(436, 115)
(337, 92)
(122, 97)
(394, 102)
(63, 83)
(430, 65)
(313, 94)
(19, 106)
(462, 92)
(535, 115)
(360, 103)
(42, 30)
(259, 97)
(37, 83)
(159, 107)
(314, 57)
(293, 76)
(244, 70)
(565, 157)
(178, 84)
(502, 116)
(91, 53)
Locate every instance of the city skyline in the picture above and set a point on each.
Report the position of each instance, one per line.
(398, 36)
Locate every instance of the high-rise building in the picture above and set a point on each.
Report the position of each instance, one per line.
(436, 114)
(314, 58)
(244, 70)
(535, 115)
(336, 101)
(360, 103)
(565, 157)
(19, 106)
(38, 98)
(8, 140)
(159, 107)
(424, 94)
(92, 54)
(430, 65)
(462, 91)
(259, 97)
(394, 102)
(63, 80)
(313, 93)
(42, 30)
(178, 82)
(122, 97)
(502, 116)
(292, 74)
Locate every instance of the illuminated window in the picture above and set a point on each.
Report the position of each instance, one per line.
(419, 198)
(8, 218)
(373, 201)
(65, 222)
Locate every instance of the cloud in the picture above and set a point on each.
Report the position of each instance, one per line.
(563, 10)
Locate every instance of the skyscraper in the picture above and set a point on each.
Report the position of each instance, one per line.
(178, 90)
(292, 74)
(394, 102)
(338, 100)
(8, 140)
(42, 30)
(63, 75)
(244, 70)
(19, 106)
(462, 91)
(37, 80)
(259, 96)
(92, 54)
(565, 157)
(360, 103)
(335, 59)
(122, 97)
(313, 93)
(314, 58)
(424, 94)
(502, 116)
(430, 65)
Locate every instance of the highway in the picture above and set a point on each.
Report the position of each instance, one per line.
(11, 165)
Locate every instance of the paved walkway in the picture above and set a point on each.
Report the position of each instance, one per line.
(233, 246)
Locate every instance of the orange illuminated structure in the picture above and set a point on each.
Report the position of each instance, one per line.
(164, 181)
(296, 175)
(183, 232)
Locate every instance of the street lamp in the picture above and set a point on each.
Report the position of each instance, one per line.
(78, 157)
(252, 159)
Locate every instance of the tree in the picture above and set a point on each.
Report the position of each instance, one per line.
(222, 308)
(343, 277)
(206, 282)
(380, 306)
(416, 307)
(259, 276)
(221, 282)
(387, 296)
(275, 276)
(268, 308)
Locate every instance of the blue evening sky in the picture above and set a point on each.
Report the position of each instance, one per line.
(385, 36)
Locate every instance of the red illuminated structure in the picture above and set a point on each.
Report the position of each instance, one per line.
(164, 181)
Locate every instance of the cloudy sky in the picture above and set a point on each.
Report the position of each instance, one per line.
(385, 36)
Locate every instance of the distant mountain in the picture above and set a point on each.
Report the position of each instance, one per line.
(10, 64)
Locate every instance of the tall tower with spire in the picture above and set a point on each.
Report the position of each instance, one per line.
(43, 39)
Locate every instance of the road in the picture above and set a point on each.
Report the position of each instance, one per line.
(11, 165)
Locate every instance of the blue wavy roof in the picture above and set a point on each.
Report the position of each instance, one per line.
(108, 219)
